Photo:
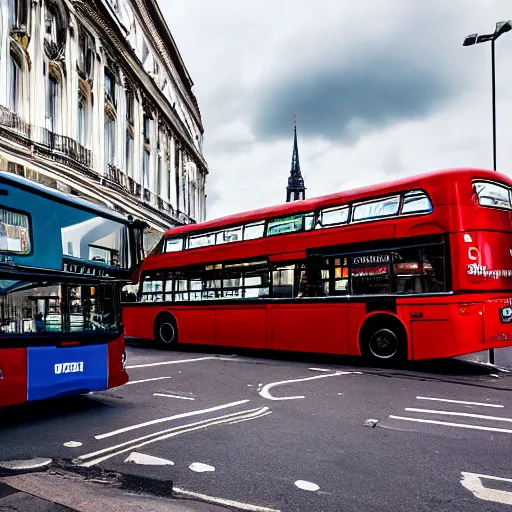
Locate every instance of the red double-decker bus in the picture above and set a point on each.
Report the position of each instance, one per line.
(418, 268)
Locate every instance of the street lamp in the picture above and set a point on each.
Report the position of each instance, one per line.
(501, 28)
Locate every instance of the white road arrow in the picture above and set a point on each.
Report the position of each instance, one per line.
(148, 460)
(473, 482)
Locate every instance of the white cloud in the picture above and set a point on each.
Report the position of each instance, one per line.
(245, 56)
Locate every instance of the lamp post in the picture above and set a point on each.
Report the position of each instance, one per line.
(501, 28)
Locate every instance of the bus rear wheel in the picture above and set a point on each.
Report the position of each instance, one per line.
(166, 332)
(383, 342)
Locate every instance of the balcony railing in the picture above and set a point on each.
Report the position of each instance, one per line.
(45, 138)
(53, 145)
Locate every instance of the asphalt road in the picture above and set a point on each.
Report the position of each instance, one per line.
(289, 432)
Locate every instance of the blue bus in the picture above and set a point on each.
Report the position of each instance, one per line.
(63, 263)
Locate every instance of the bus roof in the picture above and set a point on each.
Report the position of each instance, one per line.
(424, 181)
(56, 195)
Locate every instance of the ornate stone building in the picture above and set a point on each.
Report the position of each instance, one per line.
(95, 100)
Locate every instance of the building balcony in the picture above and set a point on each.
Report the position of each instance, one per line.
(43, 140)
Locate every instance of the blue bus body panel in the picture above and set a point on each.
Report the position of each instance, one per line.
(57, 372)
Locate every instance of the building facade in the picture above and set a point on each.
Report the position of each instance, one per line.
(95, 101)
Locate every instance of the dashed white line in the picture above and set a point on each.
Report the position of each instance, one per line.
(457, 401)
(174, 396)
(179, 361)
(222, 501)
(265, 390)
(448, 424)
(170, 418)
(463, 414)
(146, 380)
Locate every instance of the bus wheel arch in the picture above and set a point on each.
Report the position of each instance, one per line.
(383, 337)
(165, 330)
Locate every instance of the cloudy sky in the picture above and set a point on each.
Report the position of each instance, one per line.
(381, 89)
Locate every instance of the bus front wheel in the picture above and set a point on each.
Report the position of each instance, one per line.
(166, 332)
(383, 342)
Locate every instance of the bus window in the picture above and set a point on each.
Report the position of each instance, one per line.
(493, 195)
(416, 201)
(14, 232)
(253, 231)
(283, 281)
(309, 221)
(285, 225)
(153, 288)
(333, 216)
(174, 245)
(376, 209)
(370, 274)
(205, 240)
(229, 235)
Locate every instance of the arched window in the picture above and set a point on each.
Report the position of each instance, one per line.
(15, 83)
(51, 103)
(17, 10)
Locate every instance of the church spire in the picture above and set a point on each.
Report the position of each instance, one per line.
(295, 189)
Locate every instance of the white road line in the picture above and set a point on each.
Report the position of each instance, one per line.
(446, 423)
(146, 380)
(179, 361)
(173, 429)
(464, 414)
(170, 418)
(457, 401)
(222, 501)
(182, 430)
(169, 362)
(472, 482)
(258, 416)
(265, 390)
(174, 396)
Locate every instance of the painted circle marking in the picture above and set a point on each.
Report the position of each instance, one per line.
(199, 467)
(307, 486)
(72, 444)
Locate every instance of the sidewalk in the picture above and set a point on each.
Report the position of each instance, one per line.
(56, 491)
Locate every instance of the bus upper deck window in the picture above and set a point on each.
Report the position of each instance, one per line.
(174, 245)
(493, 195)
(416, 201)
(385, 207)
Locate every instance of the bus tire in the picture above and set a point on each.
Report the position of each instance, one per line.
(165, 331)
(383, 340)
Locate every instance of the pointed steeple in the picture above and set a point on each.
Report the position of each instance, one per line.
(295, 189)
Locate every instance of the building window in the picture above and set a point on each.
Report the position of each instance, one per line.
(110, 86)
(110, 137)
(17, 12)
(51, 25)
(129, 154)
(52, 103)
(82, 120)
(14, 98)
(130, 132)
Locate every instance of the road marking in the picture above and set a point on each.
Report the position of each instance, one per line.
(174, 396)
(170, 418)
(253, 418)
(179, 361)
(256, 411)
(177, 431)
(461, 425)
(457, 401)
(222, 501)
(307, 486)
(72, 444)
(319, 370)
(146, 380)
(199, 467)
(147, 460)
(464, 414)
(472, 482)
(23, 465)
(265, 390)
